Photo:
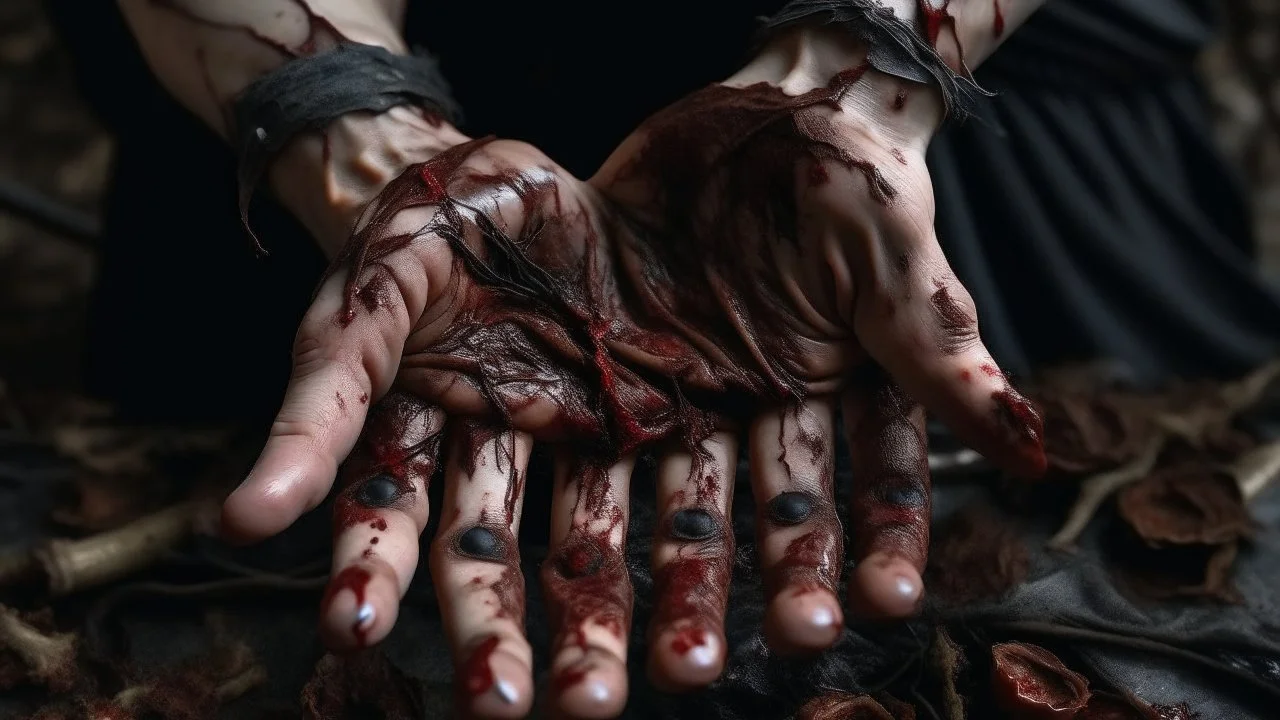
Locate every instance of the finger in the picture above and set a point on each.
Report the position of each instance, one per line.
(377, 519)
(890, 508)
(588, 589)
(340, 362)
(801, 545)
(920, 324)
(475, 564)
(692, 561)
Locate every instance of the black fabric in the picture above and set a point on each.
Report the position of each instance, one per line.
(893, 46)
(307, 93)
(1100, 220)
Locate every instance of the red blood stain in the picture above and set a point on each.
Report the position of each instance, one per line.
(364, 398)
(509, 587)
(687, 639)
(997, 25)
(891, 505)
(477, 676)
(966, 376)
(354, 578)
(567, 679)
(818, 175)
(811, 560)
(586, 581)
(1021, 425)
(348, 513)
(342, 404)
(990, 370)
(957, 327)
(900, 100)
(692, 592)
(379, 524)
(936, 18)
(897, 155)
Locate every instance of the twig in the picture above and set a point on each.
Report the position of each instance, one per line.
(47, 212)
(1256, 469)
(1192, 426)
(76, 564)
(50, 659)
(1071, 632)
(1096, 489)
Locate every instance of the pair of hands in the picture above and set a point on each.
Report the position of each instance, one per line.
(762, 249)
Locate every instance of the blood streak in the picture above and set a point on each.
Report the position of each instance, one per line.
(354, 578)
(957, 326)
(935, 18)
(997, 24)
(1021, 423)
(477, 676)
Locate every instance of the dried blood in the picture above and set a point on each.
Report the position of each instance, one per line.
(355, 579)
(477, 676)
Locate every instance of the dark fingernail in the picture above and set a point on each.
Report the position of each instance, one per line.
(791, 508)
(481, 543)
(693, 524)
(378, 491)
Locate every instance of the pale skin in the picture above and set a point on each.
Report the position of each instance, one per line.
(839, 283)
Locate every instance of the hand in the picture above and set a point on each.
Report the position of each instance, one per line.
(489, 285)
(797, 196)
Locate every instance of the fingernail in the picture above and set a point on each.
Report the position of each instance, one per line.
(364, 616)
(906, 587)
(506, 691)
(822, 616)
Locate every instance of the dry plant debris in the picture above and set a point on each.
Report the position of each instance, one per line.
(1031, 683)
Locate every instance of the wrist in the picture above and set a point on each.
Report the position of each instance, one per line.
(327, 178)
(811, 56)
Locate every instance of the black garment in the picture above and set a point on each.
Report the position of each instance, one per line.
(1101, 223)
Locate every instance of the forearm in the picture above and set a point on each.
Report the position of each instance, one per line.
(965, 32)
(812, 42)
(205, 52)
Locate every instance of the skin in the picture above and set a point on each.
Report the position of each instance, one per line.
(420, 340)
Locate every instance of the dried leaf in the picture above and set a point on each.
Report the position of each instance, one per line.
(975, 555)
(194, 690)
(49, 657)
(1031, 683)
(1199, 571)
(1086, 432)
(847, 706)
(1186, 505)
(342, 685)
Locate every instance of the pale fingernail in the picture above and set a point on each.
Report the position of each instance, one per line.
(906, 587)
(823, 617)
(364, 616)
(505, 691)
